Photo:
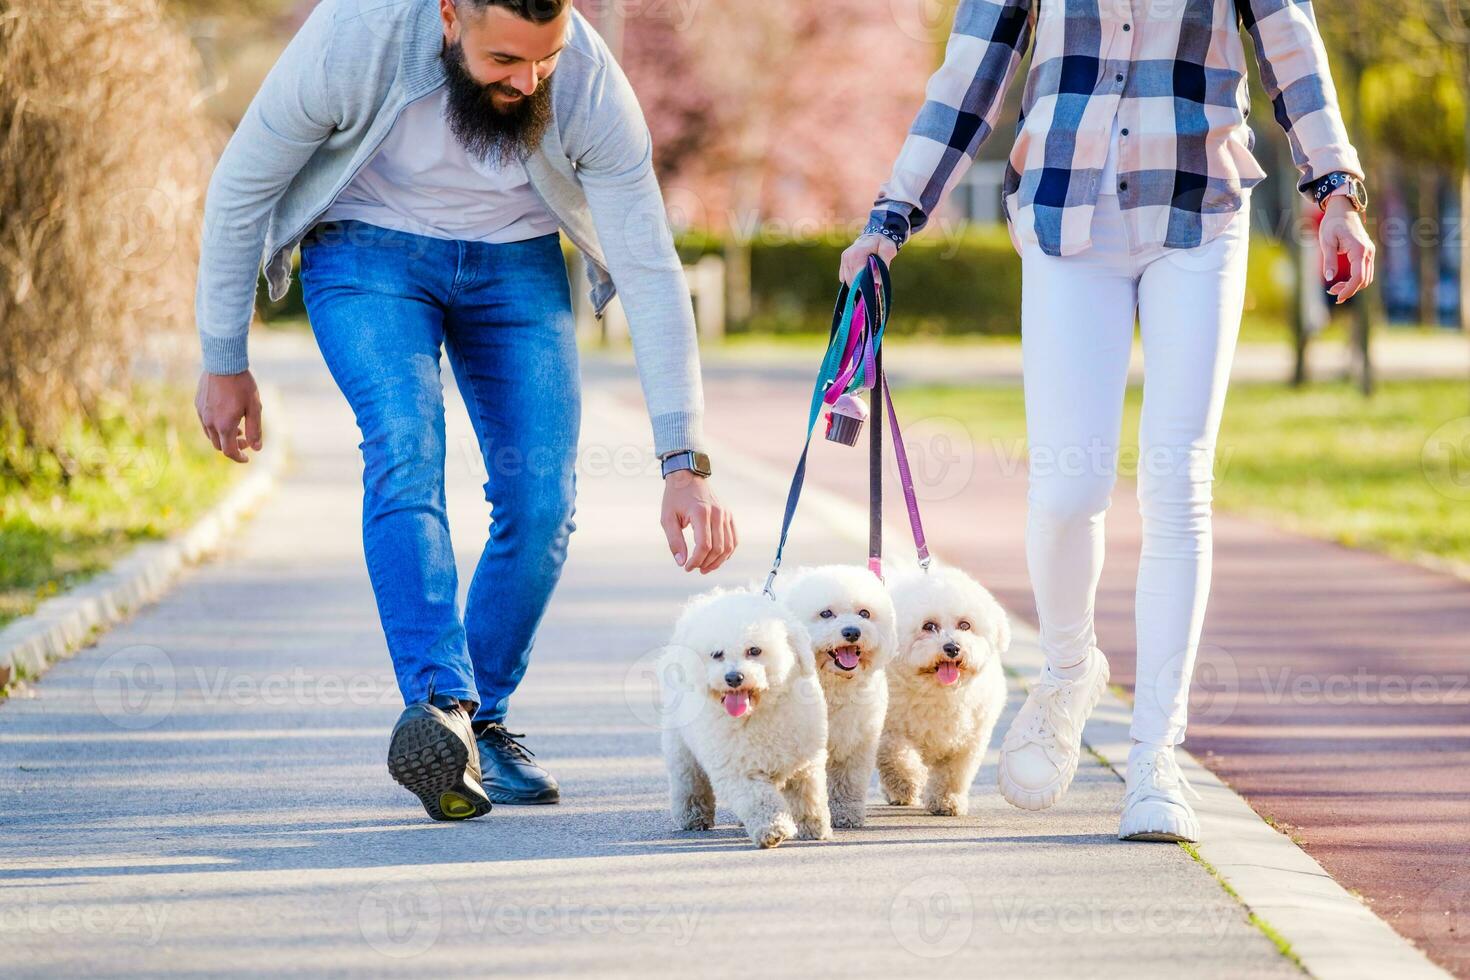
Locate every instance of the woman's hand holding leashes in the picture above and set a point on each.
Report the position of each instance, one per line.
(854, 363)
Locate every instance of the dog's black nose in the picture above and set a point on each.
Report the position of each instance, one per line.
(952, 648)
(734, 678)
(851, 633)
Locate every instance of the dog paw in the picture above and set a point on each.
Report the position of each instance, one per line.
(772, 834)
(814, 830)
(769, 837)
(948, 806)
(696, 823)
(849, 819)
(899, 799)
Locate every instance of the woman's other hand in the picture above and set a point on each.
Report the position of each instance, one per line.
(857, 254)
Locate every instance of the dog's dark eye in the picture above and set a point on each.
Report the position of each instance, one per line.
(865, 614)
(717, 655)
(931, 627)
(963, 624)
(827, 614)
(753, 652)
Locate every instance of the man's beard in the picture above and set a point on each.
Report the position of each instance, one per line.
(491, 133)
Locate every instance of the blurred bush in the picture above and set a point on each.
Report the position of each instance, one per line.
(104, 159)
(970, 284)
(967, 284)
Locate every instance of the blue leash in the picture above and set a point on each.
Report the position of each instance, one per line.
(855, 362)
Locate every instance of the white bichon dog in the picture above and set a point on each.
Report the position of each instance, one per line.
(946, 689)
(848, 614)
(743, 719)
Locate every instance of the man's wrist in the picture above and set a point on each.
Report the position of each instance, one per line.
(224, 355)
(690, 461)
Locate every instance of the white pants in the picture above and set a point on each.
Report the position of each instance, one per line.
(1077, 317)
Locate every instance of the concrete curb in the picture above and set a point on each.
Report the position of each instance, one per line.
(1332, 934)
(62, 625)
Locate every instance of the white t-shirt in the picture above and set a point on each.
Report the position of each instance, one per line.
(422, 181)
(1108, 182)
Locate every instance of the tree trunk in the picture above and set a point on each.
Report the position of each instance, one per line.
(737, 280)
(1301, 327)
(1362, 355)
(1424, 245)
(1465, 226)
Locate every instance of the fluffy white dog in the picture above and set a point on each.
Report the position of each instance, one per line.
(743, 719)
(848, 614)
(946, 689)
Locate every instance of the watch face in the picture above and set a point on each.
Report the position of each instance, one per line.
(695, 462)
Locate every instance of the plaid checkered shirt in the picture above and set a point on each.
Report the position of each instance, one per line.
(1173, 73)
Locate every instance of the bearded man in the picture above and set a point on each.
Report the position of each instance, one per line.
(425, 154)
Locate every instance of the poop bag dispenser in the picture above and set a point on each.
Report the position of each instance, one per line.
(845, 421)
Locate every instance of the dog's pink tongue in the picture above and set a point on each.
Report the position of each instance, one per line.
(947, 673)
(736, 703)
(847, 657)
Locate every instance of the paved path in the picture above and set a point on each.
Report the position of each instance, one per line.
(204, 791)
(1334, 685)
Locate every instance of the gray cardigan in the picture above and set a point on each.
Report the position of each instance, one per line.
(326, 107)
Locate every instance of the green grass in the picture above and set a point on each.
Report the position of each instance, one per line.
(1254, 329)
(1322, 460)
(1282, 944)
(141, 472)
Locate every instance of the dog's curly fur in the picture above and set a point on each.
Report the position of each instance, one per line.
(936, 734)
(847, 612)
(765, 758)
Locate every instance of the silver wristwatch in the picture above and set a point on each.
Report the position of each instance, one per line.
(686, 459)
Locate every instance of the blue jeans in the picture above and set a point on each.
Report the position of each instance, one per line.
(382, 305)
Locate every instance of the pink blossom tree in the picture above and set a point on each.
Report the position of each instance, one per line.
(776, 118)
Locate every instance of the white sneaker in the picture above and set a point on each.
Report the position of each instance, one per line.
(1154, 808)
(1038, 757)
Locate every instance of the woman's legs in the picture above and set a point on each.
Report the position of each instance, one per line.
(1189, 303)
(1076, 336)
(1077, 329)
(1077, 315)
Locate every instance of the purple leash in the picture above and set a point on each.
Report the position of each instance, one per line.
(906, 479)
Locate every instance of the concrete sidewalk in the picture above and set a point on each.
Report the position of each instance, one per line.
(204, 792)
(1331, 690)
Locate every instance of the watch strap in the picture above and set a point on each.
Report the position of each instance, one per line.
(1340, 183)
(685, 459)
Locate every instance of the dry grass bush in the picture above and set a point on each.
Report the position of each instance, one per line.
(105, 153)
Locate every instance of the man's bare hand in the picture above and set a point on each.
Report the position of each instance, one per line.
(857, 254)
(223, 402)
(689, 502)
(1342, 232)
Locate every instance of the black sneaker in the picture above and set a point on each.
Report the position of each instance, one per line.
(432, 755)
(510, 775)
